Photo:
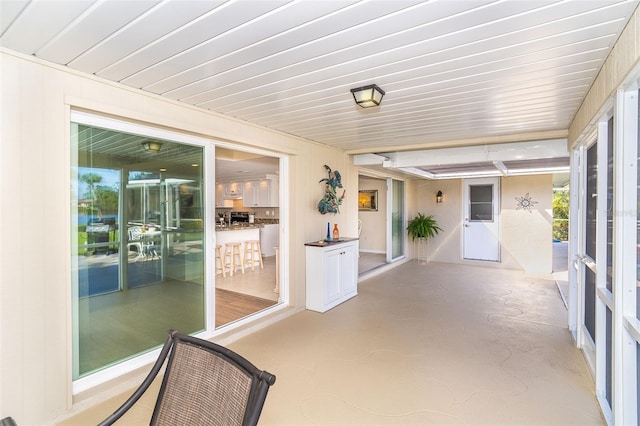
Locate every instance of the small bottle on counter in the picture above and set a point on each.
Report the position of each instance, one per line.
(336, 232)
(328, 232)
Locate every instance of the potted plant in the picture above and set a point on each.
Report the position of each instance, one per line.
(422, 227)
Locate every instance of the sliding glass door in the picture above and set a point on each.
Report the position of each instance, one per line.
(138, 217)
(146, 218)
(396, 220)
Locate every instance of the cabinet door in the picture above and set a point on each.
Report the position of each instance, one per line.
(249, 196)
(348, 267)
(332, 275)
(221, 200)
(274, 191)
(257, 193)
(233, 190)
(263, 188)
(219, 194)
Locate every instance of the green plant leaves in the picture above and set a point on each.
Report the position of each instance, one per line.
(423, 226)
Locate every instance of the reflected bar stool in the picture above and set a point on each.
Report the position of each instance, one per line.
(231, 253)
(220, 261)
(251, 250)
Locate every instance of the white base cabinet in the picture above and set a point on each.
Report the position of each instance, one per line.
(332, 273)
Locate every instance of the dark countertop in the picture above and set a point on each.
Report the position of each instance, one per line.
(323, 243)
(239, 227)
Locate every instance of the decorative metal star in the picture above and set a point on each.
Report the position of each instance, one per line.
(525, 202)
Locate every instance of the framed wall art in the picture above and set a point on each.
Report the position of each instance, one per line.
(368, 200)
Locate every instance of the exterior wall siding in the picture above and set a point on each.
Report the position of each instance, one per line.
(35, 242)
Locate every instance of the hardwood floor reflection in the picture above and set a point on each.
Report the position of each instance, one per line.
(231, 306)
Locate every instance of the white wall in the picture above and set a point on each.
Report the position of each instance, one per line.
(35, 293)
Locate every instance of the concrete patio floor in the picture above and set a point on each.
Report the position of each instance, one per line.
(421, 344)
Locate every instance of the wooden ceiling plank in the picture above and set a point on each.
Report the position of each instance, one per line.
(159, 21)
(9, 12)
(207, 26)
(284, 27)
(424, 88)
(403, 36)
(409, 61)
(96, 24)
(170, 54)
(39, 22)
(453, 70)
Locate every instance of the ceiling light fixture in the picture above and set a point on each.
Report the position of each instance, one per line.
(152, 146)
(368, 96)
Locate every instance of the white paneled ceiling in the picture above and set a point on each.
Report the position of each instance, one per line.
(453, 70)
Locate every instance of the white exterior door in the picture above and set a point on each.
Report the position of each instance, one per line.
(481, 216)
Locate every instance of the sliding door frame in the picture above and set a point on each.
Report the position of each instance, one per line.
(613, 358)
(393, 202)
(209, 145)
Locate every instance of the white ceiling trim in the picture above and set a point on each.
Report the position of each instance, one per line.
(470, 154)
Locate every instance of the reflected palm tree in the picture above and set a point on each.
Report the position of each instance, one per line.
(91, 179)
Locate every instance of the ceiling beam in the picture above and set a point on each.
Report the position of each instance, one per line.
(556, 148)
